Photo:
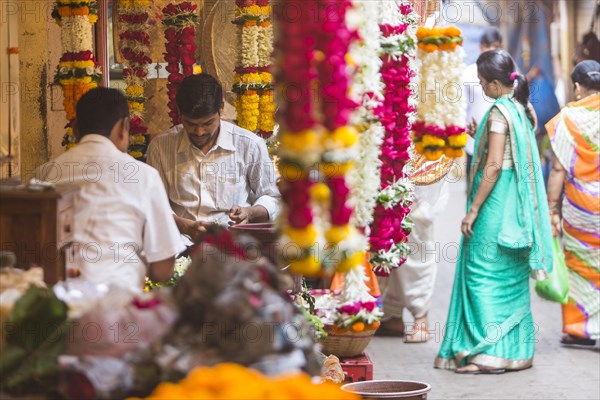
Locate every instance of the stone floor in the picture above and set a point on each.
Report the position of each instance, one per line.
(558, 372)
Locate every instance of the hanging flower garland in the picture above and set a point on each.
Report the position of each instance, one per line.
(441, 64)
(135, 49)
(77, 70)
(300, 143)
(314, 52)
(253, 82)
(339, 138)
(367, 89)
(391, 226)
(180, 21)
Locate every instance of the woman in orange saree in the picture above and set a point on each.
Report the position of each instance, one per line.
(575, 137)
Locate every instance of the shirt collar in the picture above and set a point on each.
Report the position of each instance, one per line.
(100, 139)
(224, 140)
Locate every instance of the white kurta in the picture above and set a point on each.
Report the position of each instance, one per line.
(411, 285)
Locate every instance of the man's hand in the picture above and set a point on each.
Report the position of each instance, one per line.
(239, 215)
(194, 229)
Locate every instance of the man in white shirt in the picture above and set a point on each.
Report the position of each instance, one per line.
(214, 171)
(124, 227)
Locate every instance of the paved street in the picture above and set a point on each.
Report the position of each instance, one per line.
(558, 372)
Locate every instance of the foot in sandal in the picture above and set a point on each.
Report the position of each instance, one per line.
(420, 331)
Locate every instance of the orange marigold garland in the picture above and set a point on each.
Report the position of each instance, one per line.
(77, 70)
(135, 49)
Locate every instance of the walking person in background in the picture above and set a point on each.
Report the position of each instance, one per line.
(477, 102)
(574, 137)
(506, 234)
(411, 286)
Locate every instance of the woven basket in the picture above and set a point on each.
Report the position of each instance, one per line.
(347, 344)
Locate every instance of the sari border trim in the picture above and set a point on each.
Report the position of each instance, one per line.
(486, 360)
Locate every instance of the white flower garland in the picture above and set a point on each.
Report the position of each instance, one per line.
(249, 52)
(265, 45)
(367, 89)
(441, 71)
(76, 34)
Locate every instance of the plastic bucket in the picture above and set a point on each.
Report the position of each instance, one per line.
(384, 389)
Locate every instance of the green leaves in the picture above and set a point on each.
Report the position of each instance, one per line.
(35, 337)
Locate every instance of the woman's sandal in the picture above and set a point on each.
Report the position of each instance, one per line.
(577, 342)
(481, 370)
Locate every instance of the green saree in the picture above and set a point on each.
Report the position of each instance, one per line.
(489, 319)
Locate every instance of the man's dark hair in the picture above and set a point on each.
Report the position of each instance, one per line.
(199, 96)
(490, 36)
(99, 110)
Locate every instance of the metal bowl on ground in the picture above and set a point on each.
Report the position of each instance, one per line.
(389, 389)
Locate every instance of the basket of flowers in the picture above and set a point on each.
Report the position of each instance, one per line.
(351, 316)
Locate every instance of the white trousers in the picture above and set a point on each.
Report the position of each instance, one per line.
(411, 285)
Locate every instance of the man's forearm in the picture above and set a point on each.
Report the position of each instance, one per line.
(258, 214)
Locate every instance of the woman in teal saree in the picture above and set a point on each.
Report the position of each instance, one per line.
(506, 234)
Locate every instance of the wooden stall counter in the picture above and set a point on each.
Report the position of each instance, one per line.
(36, 225)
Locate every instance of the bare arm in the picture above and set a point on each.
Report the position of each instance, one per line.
(491, 173)
(161, 271)
(555, 187)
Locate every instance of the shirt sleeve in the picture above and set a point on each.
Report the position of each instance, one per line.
(161, 236)
(154, 160)
(263, 182)
(497, 122)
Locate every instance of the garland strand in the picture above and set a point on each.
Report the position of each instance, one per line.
(253, 82)
(314, 52)
(391, 227)
(77, 70)
(441, 64)
(135, 49)
(180, 21)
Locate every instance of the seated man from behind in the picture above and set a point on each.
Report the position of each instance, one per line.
(124, 227)
(214, 171)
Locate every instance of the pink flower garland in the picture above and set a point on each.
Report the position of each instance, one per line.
(387, 228)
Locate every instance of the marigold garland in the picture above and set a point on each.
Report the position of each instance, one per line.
(180, 21)
(234, 381)
(135, 49)
(253, 82)
(441, 65)
(77, 70)
(391, 226)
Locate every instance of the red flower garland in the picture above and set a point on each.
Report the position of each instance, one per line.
(180, 55)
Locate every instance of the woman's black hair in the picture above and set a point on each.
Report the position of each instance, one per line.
(499, 65)
(587, 74)
(490, 36)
